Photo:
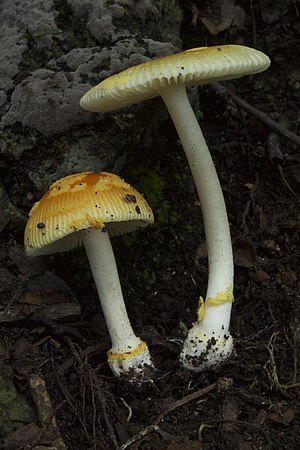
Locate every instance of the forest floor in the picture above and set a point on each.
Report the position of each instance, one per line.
(252, 401)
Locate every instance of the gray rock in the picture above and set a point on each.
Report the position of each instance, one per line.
(17, 19)
(9, 210)
(48, 102)
(43, 127)
(12, 45)
(113, 21)
(79, 152)
(95, 64)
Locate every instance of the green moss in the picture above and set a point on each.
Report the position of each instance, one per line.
(15, 412)
(151, 184)
(90, 40)
(147, 278)
(10, 211)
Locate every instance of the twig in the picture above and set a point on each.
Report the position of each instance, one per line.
(139, 436)
(45, 410)
(286, 182)
(129, 409)
(67, 396)
(224, 92)
(17, 294)
(90, 378)
(185, 400)
(271, 368)
(220, 384)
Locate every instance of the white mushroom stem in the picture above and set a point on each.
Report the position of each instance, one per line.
(128, 352)
(219, 297)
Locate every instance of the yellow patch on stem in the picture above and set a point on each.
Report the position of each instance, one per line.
(221, 297)
(200, 310)
(112, 356)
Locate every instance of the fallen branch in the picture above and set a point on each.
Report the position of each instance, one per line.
(227, 93)
(45, 410)
(221, 384)
(271, 369)
(140, 435)
(185, 400)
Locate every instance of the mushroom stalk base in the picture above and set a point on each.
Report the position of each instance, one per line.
(217, 233)
(129, 352)
(204, 350)
(209, 342)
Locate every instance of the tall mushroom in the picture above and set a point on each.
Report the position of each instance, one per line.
(209, 341)
(89, 208)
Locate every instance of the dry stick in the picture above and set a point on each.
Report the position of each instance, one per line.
(139, 436)
(186, 399)
(101, 399)
(286, 182)
(45, 410)
(67, 396)
(271, 368)
(154, 427)
(221, 383)
(226, 93)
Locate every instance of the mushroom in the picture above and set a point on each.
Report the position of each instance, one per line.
(89, 208)
(209, 341)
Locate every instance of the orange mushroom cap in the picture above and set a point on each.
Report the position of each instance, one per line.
(81, 201)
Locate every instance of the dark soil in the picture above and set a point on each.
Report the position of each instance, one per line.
(250, 403)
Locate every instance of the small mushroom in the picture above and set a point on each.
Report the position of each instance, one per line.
(89, 208)
(209, 341)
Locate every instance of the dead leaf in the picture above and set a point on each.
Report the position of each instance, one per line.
(292, 172)
(49, 285)
(274, 148)
(26, 435)
(7, 279)
(38, 298)
(26, 356)
(185, 444)
(230, 411)
(286, 278)
(29, 267)
(244, 254)
(272, 10)
(4, 220)
(230, 15)
(281, 413)
(260, 276)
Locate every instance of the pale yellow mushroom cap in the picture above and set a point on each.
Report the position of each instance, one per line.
(196, 66)
(81, 201)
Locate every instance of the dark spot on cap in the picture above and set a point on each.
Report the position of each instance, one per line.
(129, 198)
(40, 225)
(137, 208)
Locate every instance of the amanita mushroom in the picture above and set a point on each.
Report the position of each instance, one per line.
(89, 208)
(209, 341)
